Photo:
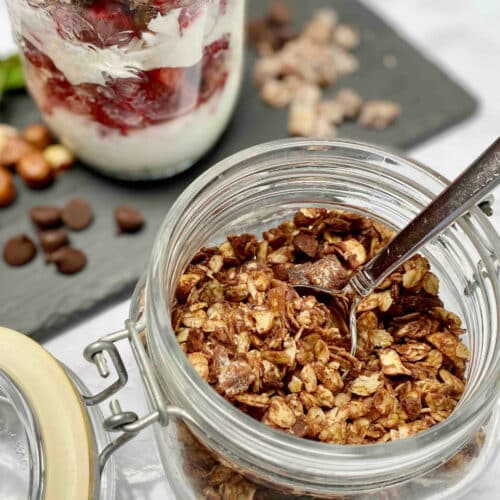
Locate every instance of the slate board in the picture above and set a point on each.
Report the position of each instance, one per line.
(38, 301)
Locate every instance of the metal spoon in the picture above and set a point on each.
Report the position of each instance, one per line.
(463, 194)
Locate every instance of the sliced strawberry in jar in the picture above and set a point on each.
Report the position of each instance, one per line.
(36, 57)
(169, 77)
(214, 68)
(103, 23)
(111, 24)
(178, 94)
(72, 25)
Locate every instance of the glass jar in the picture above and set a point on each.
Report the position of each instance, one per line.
(209, 448)
(257, 189)
(137, 89)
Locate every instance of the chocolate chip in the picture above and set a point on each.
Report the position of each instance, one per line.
(45, 217)
(52, 240)
(129, 219)
(77, 214)
(19, 250)
(68, 260)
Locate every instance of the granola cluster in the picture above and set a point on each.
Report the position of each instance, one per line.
(294, 68)
(284, 358)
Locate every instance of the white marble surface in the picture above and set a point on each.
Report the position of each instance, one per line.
(464, 38)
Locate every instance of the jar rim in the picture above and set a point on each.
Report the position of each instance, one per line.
(237, 422)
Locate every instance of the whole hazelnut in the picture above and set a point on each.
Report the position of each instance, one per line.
(35, 170)
(13, 150)
(6, 132)
(37, 135)
(7, 188)
(59, 157)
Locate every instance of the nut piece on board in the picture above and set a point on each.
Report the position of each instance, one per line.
(346, 37)
(349, 101)
(303, 113)
(378, 114)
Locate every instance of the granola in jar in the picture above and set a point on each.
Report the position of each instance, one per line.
(284, 359)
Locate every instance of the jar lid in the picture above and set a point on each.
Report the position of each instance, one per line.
(46, 441)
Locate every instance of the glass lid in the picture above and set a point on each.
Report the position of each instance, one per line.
(46, 443)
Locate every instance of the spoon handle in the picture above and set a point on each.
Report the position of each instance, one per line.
(463, 194)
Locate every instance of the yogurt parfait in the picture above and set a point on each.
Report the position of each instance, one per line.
(136, 88)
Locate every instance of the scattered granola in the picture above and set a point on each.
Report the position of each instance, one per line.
(292, 65)
(284, 358)
(379, 114)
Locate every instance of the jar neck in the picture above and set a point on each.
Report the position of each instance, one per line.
(268, 183)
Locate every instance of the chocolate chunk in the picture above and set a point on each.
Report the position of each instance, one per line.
(129, 219)
(68, 260)
(52, 240)
(45, 217)
(77, 214)
(327, 272)
(280, 272)
(19, 250)
(306, 243)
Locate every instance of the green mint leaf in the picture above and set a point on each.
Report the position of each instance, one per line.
(15, 76)
(11, 74)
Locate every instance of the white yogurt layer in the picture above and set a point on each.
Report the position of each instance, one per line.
(162, 46)
(156, 151)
